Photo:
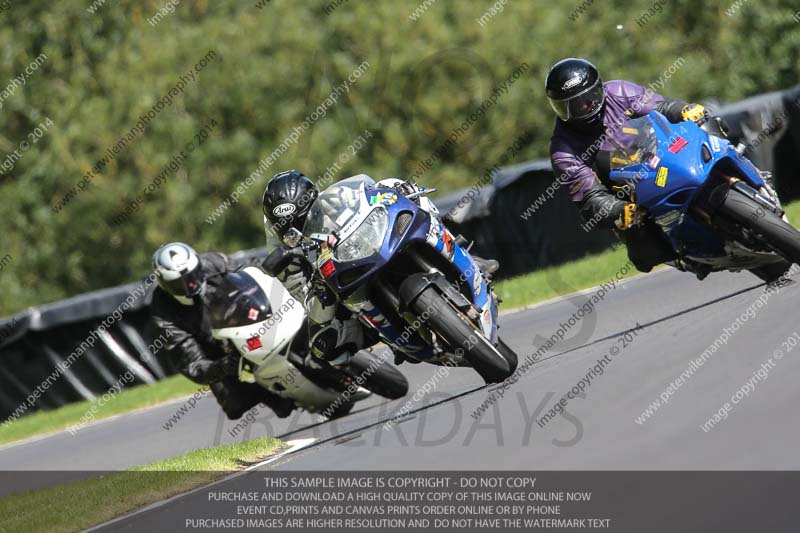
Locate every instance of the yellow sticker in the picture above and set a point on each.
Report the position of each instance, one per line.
(661, 176)
(630, 131)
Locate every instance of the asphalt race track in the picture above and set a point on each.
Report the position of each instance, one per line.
(680, 318)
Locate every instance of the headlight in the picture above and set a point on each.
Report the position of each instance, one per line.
(366, 239)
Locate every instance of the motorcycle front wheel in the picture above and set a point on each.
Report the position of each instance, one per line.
(461, 336)
(766, 225)
(379, 377)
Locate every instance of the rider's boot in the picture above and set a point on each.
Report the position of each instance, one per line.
(700, 270)
(487, 266)
(236, 398)
(773, 274)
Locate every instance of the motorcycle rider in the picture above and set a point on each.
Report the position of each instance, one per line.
(335, 333)
(591, 116)
(186, 281)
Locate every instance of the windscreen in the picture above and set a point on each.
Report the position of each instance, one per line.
(238, 301)
(336, 206)
(635, 143)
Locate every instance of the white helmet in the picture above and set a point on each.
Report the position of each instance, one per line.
(178, 271)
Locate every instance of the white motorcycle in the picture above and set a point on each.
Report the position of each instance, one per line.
(268, 328)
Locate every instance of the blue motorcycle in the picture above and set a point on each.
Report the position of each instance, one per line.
(710, 201)
(404, 274)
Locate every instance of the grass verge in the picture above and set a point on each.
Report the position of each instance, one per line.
(79, 505)
(125, 401)
(562, 279)
(577, 275)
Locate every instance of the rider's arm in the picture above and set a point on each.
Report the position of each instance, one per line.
(597, 206)
(570, 168)
(194, 363)
(218, 263)
(640, 101)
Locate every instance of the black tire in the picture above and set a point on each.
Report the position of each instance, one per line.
(776, 232)
(384, 379)
(508, 353)
(459, 333)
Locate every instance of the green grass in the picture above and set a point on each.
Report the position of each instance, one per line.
(123, 402)
(793, 212)
(563, 279)
(76, 506)
(577, 275)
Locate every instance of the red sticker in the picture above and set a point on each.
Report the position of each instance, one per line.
(252, 314)
(677, 145)
(327, 269)
(375, 321)
(253, 343)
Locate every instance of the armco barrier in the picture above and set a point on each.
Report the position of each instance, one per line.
(36, 367)
(34, 343)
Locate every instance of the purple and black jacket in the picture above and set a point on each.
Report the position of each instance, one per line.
(573, 151)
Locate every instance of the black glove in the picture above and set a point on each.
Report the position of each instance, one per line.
(222, 368)
(291, 268)
(600, 209)
(277, 261)
(406, 188)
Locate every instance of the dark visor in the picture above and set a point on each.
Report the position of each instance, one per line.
(188, 285)
(581, 106)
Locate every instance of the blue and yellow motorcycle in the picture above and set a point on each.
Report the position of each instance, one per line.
(713, 205)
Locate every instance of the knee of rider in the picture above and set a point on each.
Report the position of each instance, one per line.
(318, 312)
(324, 341)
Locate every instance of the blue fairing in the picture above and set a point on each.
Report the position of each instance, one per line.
(667, 183)
(349, 276)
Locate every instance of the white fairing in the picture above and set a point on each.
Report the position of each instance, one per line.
(266, 345)
(275, 333)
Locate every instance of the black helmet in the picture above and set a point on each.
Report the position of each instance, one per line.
(178, 271)
(287, 200)
(575, 91)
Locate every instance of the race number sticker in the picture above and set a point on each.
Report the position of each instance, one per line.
(476, 282)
